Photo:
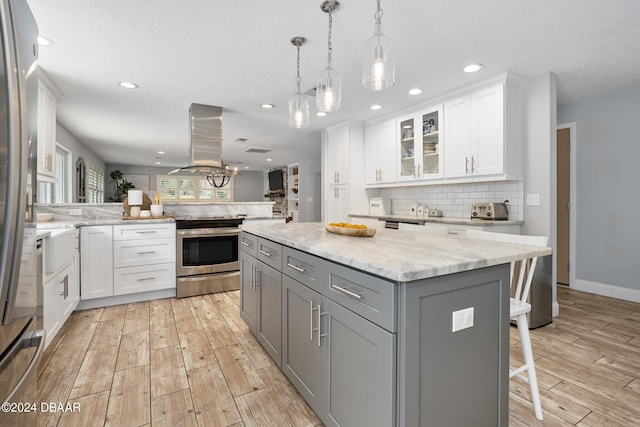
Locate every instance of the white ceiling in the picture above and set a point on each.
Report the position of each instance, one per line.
(237, 54)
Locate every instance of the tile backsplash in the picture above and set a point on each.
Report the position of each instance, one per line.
(454, 200)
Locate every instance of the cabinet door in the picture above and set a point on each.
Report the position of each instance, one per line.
(338, 155)
(457, 122)
(46, 131)
(488, 131)
(69, 288)
(301, 352)
(270, 325)
(359, 362)
(248, 291)
(406, 131)
(96, 262)
(380, 153)
(430, 163)
(337, 201)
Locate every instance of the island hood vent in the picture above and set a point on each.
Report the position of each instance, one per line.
(206, 145)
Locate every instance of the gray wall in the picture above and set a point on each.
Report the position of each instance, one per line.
(78, 149)
(607, 194)
(248, 186)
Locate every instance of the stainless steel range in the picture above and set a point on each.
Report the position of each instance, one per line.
(207, 255)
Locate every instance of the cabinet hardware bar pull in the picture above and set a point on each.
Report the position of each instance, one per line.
(295, 267)
(146, 278)
(146, 232)
(244, 244)
(466, 165)
(310, 320)
(253, 276)
(319, 328)
(472, 164)
(454, 232)
(419, 170)
(146, 252)
(346, 292)
(265, 253)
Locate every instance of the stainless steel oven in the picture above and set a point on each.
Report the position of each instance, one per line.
(207, 255)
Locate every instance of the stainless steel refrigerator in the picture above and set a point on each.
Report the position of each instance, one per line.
(21, 343)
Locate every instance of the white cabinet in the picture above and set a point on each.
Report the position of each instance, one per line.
(420, 145)
(380, 153)
(127, 259)
(483, 138)
(343, 181)
(338, 139)
(337, 199)
(47, 94)
(96, 261)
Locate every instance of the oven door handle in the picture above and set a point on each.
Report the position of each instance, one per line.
(208, 232)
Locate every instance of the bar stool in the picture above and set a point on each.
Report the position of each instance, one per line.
(519, 306)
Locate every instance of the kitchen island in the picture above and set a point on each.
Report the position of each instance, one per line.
(404, 329)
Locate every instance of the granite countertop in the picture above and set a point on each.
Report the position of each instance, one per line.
(401, 256)
(439, 220)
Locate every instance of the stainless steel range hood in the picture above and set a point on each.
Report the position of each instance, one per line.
(206, 142)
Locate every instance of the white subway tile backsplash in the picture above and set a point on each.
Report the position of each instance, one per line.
(454, 200)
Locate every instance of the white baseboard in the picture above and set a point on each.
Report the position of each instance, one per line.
(607, 290)
(555, 309)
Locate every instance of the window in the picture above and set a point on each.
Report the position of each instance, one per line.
(193, 188)
(95, 185)
(59, 191)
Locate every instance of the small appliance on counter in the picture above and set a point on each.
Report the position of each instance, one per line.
(379, 206)
(422, 210)
(490, 210)
(413, 210)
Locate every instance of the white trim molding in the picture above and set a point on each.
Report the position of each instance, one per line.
(613, 291)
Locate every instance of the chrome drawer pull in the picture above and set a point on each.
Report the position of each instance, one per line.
(346, 292)
(244, 244)
(146, 232)
(146, 252)
(265, 253)
(146, 278)
(295, 267)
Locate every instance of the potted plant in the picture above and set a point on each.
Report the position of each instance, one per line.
(122, 186)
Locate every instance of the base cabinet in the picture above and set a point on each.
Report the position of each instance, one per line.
(59, 300)
(96, 261)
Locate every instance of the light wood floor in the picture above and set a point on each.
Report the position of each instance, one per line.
(193, 362)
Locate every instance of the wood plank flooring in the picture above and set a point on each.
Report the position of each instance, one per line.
(193, 362)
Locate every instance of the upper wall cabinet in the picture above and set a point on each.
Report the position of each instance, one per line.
(338, 155)
(380, 153)
(420, 145)
(483, 138)
(47, 95)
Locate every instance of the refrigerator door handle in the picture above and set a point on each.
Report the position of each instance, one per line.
(32, 339)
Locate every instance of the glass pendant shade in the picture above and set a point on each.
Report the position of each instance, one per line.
(298, 111)
(378, 69)
(328, 90)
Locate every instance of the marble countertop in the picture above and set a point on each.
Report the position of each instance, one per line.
(48, 225)
(401, 256)
(439, 220)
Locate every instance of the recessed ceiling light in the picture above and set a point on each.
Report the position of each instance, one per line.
(321, 114)
(157, 163)
(415, 91)
(407, 127)
(128, 85)
(246, 167)
(375, 107)
(472, 68)
(160, 152)
(267, 106)
(43, 41)
(269, 160)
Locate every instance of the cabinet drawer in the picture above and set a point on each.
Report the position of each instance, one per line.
(147, 231)
(306, 269)
(369, 296)
(270, 253)
(129, 253)
(249, 244)
(131, 280)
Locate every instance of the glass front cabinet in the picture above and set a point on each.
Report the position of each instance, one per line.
(420, 145)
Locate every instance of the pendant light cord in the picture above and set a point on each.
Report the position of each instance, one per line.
(298, 79)
(379, 14)
(330, 47)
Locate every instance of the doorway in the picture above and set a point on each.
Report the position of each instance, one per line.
(563, 216)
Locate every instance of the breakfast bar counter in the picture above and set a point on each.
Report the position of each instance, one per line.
(398, 329)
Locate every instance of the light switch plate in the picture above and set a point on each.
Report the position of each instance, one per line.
(462, 319)
(75, 212)
(533, 199)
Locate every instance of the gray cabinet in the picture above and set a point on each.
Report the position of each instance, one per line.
(260, 295)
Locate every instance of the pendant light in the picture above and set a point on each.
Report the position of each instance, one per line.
(328, 87)
(378, 70)
(298, 103)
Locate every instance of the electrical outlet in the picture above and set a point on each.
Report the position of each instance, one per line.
(462, 319)
(75, 212)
